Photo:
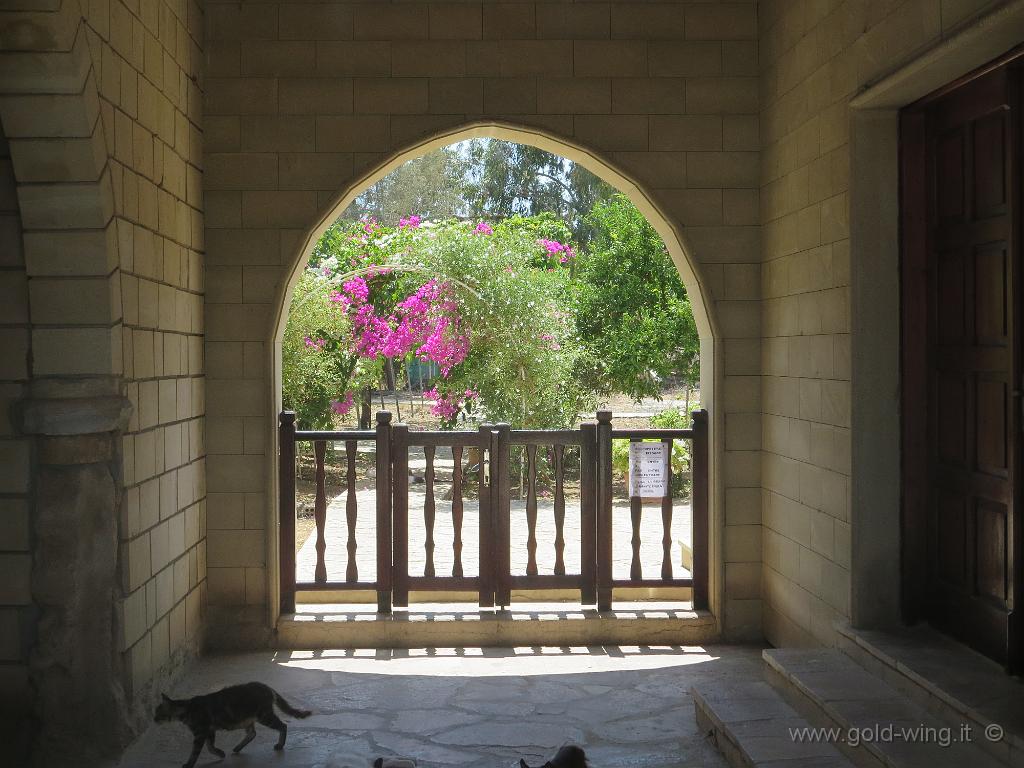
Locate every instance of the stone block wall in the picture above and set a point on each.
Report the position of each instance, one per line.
(149, 59)
(815, 57)
(17, 618)
(100, 102)
(303, 98)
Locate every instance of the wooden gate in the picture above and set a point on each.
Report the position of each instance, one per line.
(482, 464)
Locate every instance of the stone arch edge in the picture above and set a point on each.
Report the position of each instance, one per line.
(712, 377)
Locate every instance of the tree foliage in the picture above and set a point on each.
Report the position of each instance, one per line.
(569, 293)
(311, 380)
(506, 287)
(485, 179)
(519, 180)
(632, 311)
(433, 186)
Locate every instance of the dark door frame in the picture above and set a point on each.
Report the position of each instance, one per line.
(914, 353)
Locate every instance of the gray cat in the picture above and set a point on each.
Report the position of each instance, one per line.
(229, 709)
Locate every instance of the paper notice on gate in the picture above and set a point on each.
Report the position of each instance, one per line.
(648, 463)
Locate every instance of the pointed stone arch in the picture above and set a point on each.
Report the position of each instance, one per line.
(690, 269)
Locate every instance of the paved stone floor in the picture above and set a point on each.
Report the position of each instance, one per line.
(628, 706)
(336, 535)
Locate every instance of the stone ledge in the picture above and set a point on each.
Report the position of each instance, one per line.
(73, 416)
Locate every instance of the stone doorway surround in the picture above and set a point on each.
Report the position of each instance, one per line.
(303, 101)
(875, 303)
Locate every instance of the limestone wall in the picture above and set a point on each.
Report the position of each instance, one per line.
(815, 57)
(149, 57)
(302, 98)
(100, 102)
(17, 622)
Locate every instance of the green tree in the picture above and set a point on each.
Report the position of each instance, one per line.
(632, 311)
(311, 380)
(433, 186)
(511, 179)
(524, 350)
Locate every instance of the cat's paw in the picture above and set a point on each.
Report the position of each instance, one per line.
(279, 747)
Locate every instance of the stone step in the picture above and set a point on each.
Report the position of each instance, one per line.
(946, 678)
(752, 725)
(454, 625)
(876, 724)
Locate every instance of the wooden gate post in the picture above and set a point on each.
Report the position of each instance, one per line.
(502, 514)
(700, 467)
(400, 516)
(286, 504)
(383, 488)
(588, 513)
(604, 510)
(489, 575)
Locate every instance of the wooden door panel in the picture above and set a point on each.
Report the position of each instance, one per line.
(989, 154)
(952, 424)
(949, 170)
(951, 566)
(990, 294)
(990, 557)
(990, 427)
(952, 323)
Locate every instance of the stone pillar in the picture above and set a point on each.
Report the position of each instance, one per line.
(76, 666)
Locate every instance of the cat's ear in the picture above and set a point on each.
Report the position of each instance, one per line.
(165, 697)
(522, 763)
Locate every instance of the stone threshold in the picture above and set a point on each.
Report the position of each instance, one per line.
(946, 678)
(456, 625)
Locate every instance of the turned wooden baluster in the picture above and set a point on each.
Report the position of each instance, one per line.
(320, 510)
(351, 510)
(531, 509)
(457, 510)
(635, 511)
(666, 516)
(428, 512)
(559, 511)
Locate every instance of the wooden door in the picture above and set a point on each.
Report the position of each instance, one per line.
(961, 267)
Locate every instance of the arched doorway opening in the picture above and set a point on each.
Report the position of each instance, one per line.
(669, 233)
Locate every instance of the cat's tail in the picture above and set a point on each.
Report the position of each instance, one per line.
(288, 709)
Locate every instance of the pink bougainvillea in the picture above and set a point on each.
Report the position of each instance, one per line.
(483, 228)
(315, 343)
(427, 324)
(447, 405)
(410, 222)
(342, 407)
(562, 251)
(357, 289)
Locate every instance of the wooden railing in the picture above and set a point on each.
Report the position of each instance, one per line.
(498, 450)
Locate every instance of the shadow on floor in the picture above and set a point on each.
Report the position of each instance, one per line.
(479, 707)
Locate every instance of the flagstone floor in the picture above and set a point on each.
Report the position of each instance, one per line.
(628, 706)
